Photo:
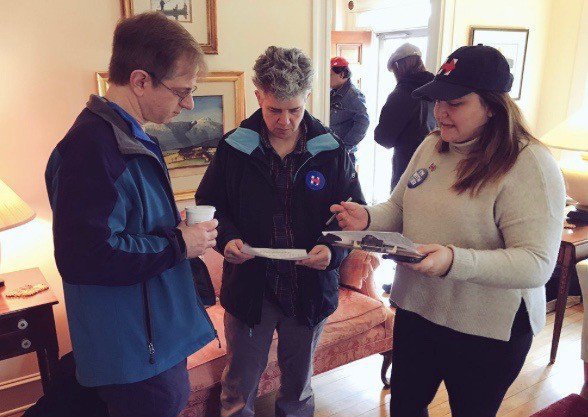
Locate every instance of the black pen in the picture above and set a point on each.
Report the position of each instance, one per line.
(335, 214)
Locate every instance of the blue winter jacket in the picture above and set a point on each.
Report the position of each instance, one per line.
(132, 308)
(349, 117)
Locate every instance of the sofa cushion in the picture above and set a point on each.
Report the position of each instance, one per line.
(356, 314)
(357, 268)
(205, 402)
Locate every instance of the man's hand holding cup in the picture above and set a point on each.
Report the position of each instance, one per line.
(199, 230)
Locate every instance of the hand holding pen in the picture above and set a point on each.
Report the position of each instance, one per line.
(350, 216)
(335, 213)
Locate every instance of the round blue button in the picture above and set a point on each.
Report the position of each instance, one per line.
(315, 181)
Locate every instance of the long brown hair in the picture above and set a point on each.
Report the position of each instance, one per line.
(503, 138)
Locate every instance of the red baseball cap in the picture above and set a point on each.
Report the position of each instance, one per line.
(339, 62)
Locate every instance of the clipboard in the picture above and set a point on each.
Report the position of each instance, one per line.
(371, 243)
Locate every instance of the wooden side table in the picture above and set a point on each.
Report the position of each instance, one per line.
(27, 324)
(573, 249)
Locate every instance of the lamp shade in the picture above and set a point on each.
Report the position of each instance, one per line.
(13, 210)
(571, 134)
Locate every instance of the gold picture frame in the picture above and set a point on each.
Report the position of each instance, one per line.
(210, 45)
(512, 43)
(102, 83)
(230, 85)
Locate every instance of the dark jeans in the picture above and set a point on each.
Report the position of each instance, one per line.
(477, 371)
(164, 395)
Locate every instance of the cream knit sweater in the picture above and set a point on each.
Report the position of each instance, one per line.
(505, 240)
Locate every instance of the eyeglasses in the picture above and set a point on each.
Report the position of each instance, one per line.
(180, 95)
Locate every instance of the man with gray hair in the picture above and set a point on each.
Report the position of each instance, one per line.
(272, 181)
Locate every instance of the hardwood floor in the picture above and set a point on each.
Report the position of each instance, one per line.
(355, 389)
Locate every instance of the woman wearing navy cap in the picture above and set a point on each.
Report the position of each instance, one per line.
(484, 199)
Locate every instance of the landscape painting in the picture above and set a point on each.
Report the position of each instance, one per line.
(190, 140)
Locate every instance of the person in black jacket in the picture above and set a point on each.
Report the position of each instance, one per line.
(272, 181)
(404, 120)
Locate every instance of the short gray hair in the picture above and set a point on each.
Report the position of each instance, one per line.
(283, 72)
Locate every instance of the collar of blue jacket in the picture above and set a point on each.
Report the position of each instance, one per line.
(246, 138)
(136, 129)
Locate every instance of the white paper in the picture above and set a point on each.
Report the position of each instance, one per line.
(281, 254)
(389, 238)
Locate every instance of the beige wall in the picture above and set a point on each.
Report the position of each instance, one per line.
(47, 75)
(531, 14)
(551, 51)
(248, 27)
(558, 66)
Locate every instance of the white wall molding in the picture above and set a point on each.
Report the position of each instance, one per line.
(322, 12)
(446, 10)
(579, 85)
(18, 391)
(16, 411)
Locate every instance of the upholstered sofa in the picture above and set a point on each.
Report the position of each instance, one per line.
(361, 326)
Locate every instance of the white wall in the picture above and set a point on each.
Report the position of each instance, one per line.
(579, 86)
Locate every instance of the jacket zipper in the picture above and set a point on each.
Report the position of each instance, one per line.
(169, 194)
(299, 168)
(166, 181)
(209, 320)
(150, 347)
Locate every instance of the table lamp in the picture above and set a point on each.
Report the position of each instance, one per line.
(571, 136)
(13, 211)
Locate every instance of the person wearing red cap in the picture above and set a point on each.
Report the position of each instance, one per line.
(349, 118)
(485, 199)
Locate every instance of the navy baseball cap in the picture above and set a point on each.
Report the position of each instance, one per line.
(468, 69)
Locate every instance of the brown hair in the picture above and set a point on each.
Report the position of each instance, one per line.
(153, 43)
(503, 138)
(344, 71)
(407, 66)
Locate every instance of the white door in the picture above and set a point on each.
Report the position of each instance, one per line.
(376, 172)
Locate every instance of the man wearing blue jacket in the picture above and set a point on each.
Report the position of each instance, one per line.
(120, 246)
(349, 117)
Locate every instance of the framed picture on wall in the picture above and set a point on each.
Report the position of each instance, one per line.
(199, 17)
(189, 141)
(512, 42)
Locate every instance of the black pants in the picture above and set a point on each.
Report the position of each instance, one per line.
(164, 395)
(477, 371)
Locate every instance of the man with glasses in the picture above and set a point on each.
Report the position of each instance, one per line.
(120, 246)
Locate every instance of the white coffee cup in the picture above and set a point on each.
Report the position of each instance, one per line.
(198, 214)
